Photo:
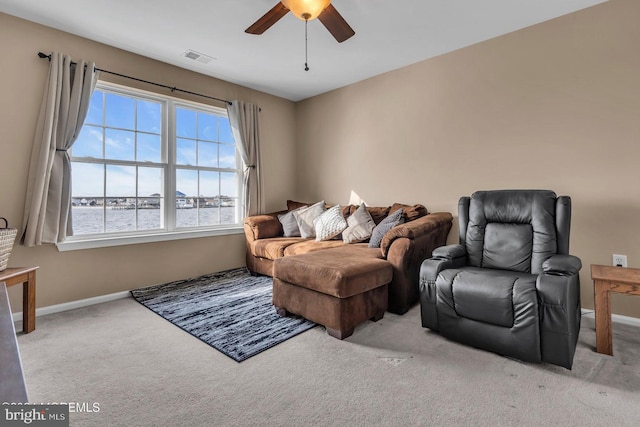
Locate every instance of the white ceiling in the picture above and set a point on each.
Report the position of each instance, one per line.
(389, 35)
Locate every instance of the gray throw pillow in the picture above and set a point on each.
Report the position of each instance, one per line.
(385, 225)
(289, 223)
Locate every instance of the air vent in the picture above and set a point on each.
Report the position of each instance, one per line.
(197, 56)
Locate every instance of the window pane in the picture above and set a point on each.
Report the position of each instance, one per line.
(207, 127)
(228, 198)
(121, 183)
(149, 201)
(149, 116)
(89, 143)
(225, 134)
(186, 196)
(209, 200)
(149, 216)
(207, 154)
(149, 148)
(149, 182)
(87, 198)
(186, 183)
(87, 219)
(121, 111)
(227, 156)
(229, 184)
(209, 188)
(119, 144)
(94, 115)
(121, 190)
(186, 123)
(120, 217)
(186, 152)
(87, 181)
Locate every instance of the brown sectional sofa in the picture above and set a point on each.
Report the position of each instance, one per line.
(404, 247)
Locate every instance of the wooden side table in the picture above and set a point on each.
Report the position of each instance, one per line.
(607, 279)
(26, 276)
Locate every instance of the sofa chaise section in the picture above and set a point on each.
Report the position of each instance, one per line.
(404, 247)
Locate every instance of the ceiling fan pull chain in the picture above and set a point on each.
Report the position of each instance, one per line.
(306, 49)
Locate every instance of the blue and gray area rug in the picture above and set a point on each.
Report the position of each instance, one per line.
(231, 311)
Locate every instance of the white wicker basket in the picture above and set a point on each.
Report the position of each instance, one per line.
(7, 238)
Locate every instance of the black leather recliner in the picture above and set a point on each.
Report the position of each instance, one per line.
(510, 286)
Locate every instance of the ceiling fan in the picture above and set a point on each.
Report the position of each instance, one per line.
(306, 10)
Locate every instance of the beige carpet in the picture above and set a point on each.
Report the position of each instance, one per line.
(143, 371)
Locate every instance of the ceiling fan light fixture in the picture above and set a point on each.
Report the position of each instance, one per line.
(306, 9)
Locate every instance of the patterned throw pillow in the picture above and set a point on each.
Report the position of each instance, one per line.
(289, 224)
(360, 226)
(387, 224)
(305, 216)
(329, 224)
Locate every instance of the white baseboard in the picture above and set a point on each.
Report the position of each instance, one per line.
(43, 311)
(616, 318)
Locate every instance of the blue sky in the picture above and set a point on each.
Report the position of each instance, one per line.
(203, 139)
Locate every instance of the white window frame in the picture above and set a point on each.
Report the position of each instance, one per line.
(168, 163)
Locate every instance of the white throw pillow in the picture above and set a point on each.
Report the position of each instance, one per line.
(305, 216)
(329, 224)
(360, 226)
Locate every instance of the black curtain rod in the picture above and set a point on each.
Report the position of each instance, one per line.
(172, 88)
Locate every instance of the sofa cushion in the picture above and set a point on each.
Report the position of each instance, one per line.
(378, 213)
(387, 224)
(272, 248)
(303, 246)
(360, 226)
(292, 205)
(305, 216)
(410, 212)
(329, 224)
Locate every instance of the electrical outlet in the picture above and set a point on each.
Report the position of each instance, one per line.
(619, 260)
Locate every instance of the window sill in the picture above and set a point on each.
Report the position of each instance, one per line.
(79, 243)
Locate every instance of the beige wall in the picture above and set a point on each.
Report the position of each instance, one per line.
(70, 276)
(555, 106)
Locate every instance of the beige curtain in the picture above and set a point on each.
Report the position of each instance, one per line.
(244, 119)
(47, 214)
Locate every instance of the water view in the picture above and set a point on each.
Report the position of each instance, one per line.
(98, 219)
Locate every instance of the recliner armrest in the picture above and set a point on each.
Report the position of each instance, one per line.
(558, 289)
(450, 251)
(444, 257)
(562, 265)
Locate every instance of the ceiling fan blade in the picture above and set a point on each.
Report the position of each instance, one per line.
(268, 19)
(336, 24)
